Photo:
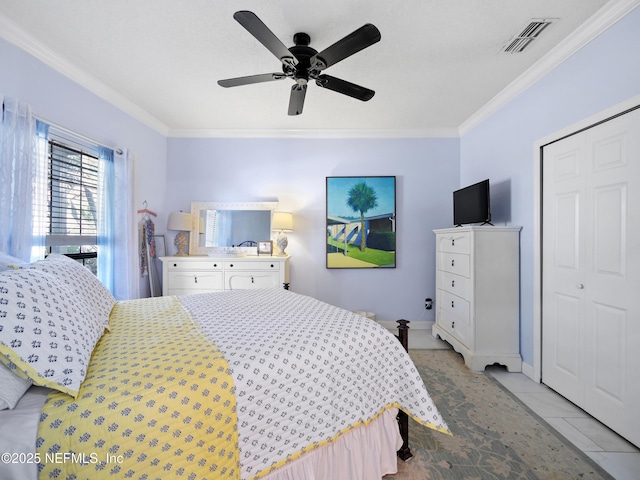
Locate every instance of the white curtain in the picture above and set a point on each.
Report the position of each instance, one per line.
(117, 241)
(126, 270)
(17, 170)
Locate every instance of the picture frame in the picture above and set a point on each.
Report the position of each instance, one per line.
(265, 247)
(161, 246)
(356, 205)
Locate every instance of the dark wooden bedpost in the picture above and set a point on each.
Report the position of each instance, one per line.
(403, 419)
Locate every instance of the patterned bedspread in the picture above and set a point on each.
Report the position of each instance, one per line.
(157, 403)
(305, 372)
(225, 385)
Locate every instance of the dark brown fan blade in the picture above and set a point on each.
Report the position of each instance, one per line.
(255, 27)
(344, 87)
(263, 77)
(362, 38)
(296, 100)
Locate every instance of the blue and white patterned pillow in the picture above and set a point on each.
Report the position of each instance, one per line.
(84, 283)
(44, 332)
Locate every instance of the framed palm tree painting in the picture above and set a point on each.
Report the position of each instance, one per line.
(361, 222)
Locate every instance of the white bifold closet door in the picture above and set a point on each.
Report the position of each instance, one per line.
(591, 271)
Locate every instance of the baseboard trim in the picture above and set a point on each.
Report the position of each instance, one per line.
(529, 371)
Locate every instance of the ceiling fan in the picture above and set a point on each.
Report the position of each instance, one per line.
(303, 63)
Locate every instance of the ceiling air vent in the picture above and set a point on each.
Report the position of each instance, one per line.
(529, 33)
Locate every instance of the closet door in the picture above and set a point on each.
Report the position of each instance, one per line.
(591, 271)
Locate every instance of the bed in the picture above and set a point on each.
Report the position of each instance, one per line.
(240, 384)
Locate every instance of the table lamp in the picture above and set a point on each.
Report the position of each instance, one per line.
(182, 222)
(282, 222)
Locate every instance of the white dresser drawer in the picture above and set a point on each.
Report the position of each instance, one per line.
(455, 317)
(456, 284)
(242, 280)
(199, 265)
(454, 242)
(456, 263)
(244, 265)
(196, 280)
(198, 274)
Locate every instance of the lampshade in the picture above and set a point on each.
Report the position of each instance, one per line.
(282, 221)
(179, 221)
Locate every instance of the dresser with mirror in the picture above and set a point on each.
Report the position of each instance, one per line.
(223, 253)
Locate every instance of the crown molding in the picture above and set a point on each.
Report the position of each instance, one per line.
(313, 133)
(604, 18)
(14, 34)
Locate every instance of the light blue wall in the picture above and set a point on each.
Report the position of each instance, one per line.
(57, 99)
(603, 73)
(294, 172)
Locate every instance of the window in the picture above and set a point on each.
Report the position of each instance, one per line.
(72, 190)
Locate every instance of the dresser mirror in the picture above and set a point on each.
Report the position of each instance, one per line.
(229, 227)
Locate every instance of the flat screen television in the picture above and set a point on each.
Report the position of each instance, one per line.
(471, 204)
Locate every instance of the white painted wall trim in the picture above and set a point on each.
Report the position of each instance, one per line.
(604, 18)
(316, 133)
(535, 371)
(12, 33)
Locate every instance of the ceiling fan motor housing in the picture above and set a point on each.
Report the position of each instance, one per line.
(303, 53)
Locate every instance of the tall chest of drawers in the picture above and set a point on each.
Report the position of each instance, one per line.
(200, 274)
(478, 294)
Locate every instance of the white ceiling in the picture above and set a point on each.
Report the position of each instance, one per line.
(438, 63)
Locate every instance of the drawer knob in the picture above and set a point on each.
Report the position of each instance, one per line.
(453, 263)
(453, 242)
(195, 279)
(215, 265)
(453, 324)
(252, 279)
(272, 265)
(175, 264)
(453, 283)
(231, 265)
(452, 305)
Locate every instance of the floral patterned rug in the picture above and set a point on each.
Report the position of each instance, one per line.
(495, 436)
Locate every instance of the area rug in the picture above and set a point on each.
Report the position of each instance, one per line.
(495, 436)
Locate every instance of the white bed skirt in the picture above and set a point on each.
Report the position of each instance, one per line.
(365, 453)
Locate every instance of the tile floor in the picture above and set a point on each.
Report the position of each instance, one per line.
(614, 454)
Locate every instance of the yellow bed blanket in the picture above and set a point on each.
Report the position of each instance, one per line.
(171, 408)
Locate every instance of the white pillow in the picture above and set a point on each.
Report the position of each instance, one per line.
(45, 334)
(12, 388)
(84, 283)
